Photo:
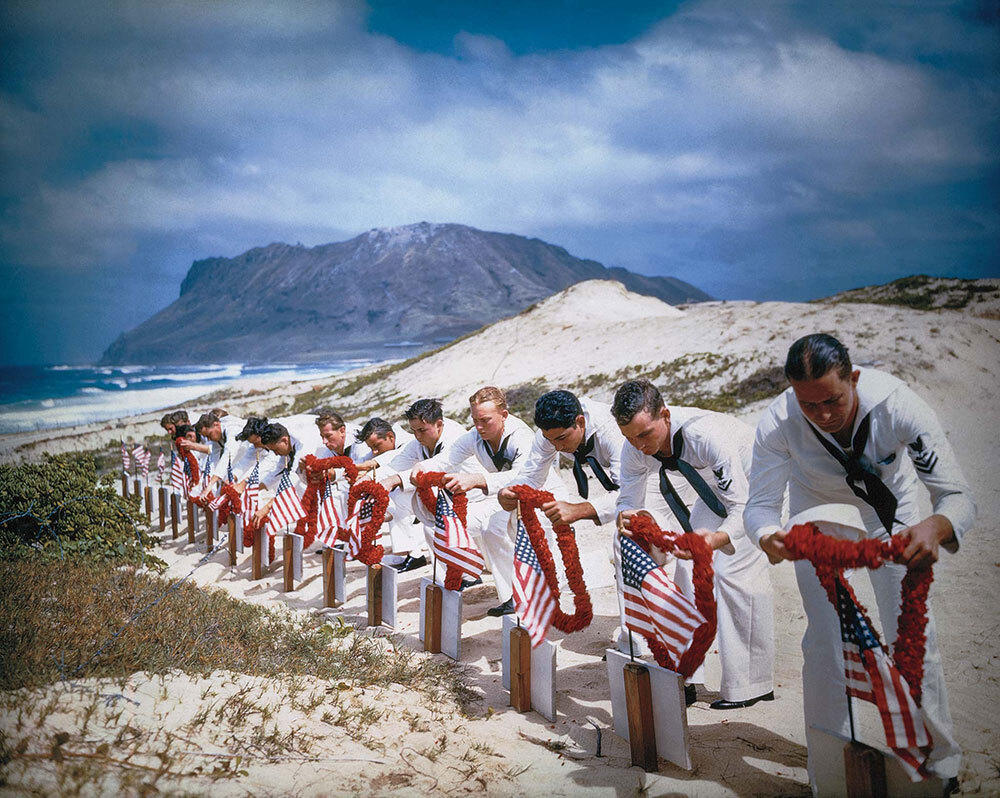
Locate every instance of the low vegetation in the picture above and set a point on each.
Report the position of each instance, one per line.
(922, 292)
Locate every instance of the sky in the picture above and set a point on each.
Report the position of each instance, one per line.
(767, 150)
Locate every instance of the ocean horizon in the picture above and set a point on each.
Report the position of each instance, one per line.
(49, 397)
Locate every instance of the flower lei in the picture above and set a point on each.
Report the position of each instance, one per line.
(190, 459)
(646, 533)
(232, 503)
(368, 489)
(529, 499)
(830, 556)
(316, 479)
(427, 481)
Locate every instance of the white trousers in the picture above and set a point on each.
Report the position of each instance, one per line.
(823, 700)
(406, 536)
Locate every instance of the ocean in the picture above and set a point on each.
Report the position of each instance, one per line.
(46, 397)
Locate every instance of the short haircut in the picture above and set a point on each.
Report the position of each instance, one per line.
(168, 418)
(181, 430)
(813, 356)
(632, 398)
(329, 417)
(254, 426)
(489, 394)
(378, 427)
(557, 410)
(206, 420)
(427, 410)
(180, 417)
(273, 433)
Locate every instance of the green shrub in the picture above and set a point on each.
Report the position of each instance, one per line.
(56, 508)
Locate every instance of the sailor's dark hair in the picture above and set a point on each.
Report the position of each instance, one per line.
(206, 420)
(272, 433)
(168, 418)
(557, 410)
(633, 397)
(427, 410)
(813, 356)
(180, 417)
(376, 426)
(181, 430)
(327, 416)
(254, 426)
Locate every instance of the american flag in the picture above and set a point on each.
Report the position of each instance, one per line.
(126, 463)
(327, 518)
(452, 543)
(654, 605)
(872, 676)
(535, 602)
(141, 456)
(251, 495)
(219, 501)
(137, 451)
(286, 508)
(178, 475)
(361, 516)
(161, 466)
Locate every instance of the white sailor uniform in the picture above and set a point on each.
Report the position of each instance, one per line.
(789, 451)
(707, 477)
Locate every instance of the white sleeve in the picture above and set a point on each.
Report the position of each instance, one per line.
(521, 439)
(768, 479)
(405, 459)
(731, 485)
(539, 462)
(634, 473)
(917, 427)
(451, 458)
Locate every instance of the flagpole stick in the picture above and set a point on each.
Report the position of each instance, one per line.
(850, 704)
(631, 648)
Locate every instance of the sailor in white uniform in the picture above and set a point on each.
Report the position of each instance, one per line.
(227, 453)
(700, 461)
(501, 443)
(290, 444)
(432, 433)
(858, 437)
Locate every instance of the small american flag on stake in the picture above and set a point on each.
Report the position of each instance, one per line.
(362, 515)
(161, 468)
(327, 518)
(142, 455)
(251, 496)
(137, 451)
(286, 508)
(126, 463)
(178, 475)
(452, 542)
(872, 676)
(532, 597)
(654, 605)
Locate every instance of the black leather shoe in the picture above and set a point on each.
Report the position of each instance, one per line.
(723, 704)
(950, 787)
(470, 583)
(501, 609)
(411, 563)
(690, 694)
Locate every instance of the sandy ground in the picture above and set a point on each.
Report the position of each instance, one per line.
(951, 359)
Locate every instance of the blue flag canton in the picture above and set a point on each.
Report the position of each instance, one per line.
(636, 563)
(523, 550)
(254, 477)
(327, 490)
(229, 471)
(284, 484)
(444, 506)
(853, 626)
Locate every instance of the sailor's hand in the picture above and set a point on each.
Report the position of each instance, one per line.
(185, 444)
(390, 483)
(419, 468)
(507, 499)
(625, 520)
(367, 465)
(259, 516)
(462, 483)
(774, 546)
(559, 512)
(714, 540)
(923, 540)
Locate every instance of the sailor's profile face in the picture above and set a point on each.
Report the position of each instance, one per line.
(830, 402)
(427, 433)
(381, 445)
(333, 439)
(280, 447)
(488, 420)
(171, 429)
(214, 432)
(649, 433)
(567, 439)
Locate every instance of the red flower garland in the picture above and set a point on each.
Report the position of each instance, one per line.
(232, 503)
(192, 461)
(646, 533)
(529, 499)
(370, 554)
(830, 556)
(316, 479)
(426, 482)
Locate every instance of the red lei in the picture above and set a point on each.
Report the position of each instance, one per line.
(370, 554)
(583, 614)
(191, 460)
(830, 556)
(316, 480)
(646, 533)
(426, 482)
(232, 503)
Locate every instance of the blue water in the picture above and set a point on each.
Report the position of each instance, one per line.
(45, 397)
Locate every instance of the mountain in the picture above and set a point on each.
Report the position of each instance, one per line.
(418, 284)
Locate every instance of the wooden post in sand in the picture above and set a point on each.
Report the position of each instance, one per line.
(329, 584)
(164, 498)
(520, 669)
(257, 557)
(149, 503)
(375, 595)
(864, 770)
(210, 524)
(639, 704)
(232, 539)
(124, 484)
(192, 521)
(432, 630)
(137, 487)
(175, 515)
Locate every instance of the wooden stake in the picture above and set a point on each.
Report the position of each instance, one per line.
(136, 487)
(232, 539)
(329, 597)
(432, 619)
(164, 498)
(259, 541)
(209, 529)
(149, 504)
(520, 669)
(124, 484)
(192, 521)
(639, 704)
(287, 553)
(864, 771)
(175, 515)
(375, 595)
